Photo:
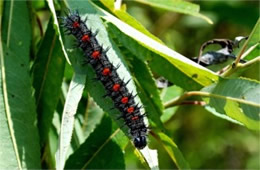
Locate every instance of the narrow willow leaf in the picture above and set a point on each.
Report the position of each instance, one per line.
(148, 91)
(124, 16)
(56, 24)
(172, 150)
(9, 152)
(252, 52)
(151, 157)
(180, 70)
(9, 157)
(51, 148)
(179, 6)
(92, 117)
(236, 98)
(18, 111)
(47, 78)
(73, 97)
(253, 40)
(93, 153)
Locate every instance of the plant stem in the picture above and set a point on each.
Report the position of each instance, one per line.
(179, 100)
(200, 103)
(248, 64)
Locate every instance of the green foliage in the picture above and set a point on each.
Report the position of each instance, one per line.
(47, 78)
(53, 115)
(97, 148)
(241, 103)
(177, 6)
(18, 111)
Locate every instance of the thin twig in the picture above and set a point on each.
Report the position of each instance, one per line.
(200, 103)
(230, 71)
(240, 54)
(180, 99)
(245, 45)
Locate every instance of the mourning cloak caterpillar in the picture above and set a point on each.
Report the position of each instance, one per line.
(106, 72)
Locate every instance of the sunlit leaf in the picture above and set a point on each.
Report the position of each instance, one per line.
(124, 16)
(236, 98)
(177, 6)
(176, 67)
(67, 123)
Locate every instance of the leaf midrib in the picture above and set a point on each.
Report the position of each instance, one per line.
(46, 69)
(10, 23)
(100, 148)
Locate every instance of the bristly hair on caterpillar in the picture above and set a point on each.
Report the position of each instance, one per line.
(106, 73)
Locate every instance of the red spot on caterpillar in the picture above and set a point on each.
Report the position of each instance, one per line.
(135, 118)
(85, 38)
(130, 110)
(75, 24)
(106, 71)
(95, 54)
(116, 87)
(124, 100)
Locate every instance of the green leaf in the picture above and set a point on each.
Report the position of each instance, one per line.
(176, 68)
(249, 51)
(19, 137)
(92, 117)
(252, 52)
(253, 40)
(93, 153)
(151, 158)
(168, 94)
(172, 150)
(148, 91)
(236, 98)
(73, 97)
(47, 78)
(249, 70)
(124, 16)
(179, 6)
(56, 27)
(1, 10)
(51, 148)
(9, 157)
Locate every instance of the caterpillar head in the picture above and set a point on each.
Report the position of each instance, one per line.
(140, 142)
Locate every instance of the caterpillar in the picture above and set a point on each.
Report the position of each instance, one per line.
(106, 72)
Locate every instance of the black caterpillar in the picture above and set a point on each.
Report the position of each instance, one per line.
(95, 55)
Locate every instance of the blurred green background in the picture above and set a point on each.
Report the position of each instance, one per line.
(205, 140)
